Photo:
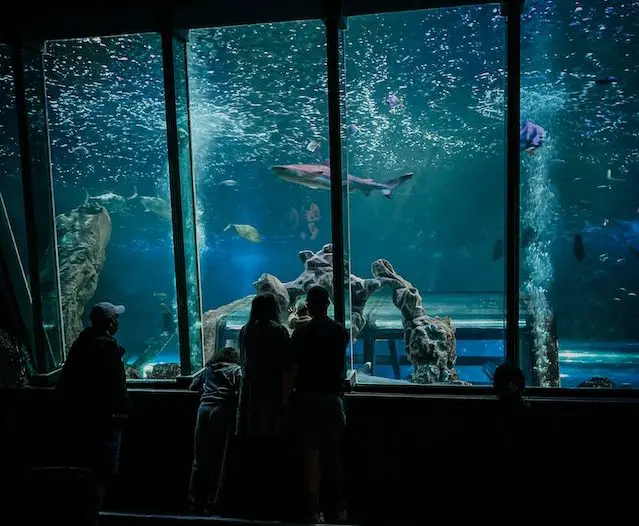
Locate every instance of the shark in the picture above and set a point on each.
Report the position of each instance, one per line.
(318, 177)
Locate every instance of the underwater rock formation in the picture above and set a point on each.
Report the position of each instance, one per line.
(13, 361)
(599, 382)
(83, 235)
(164, 371)
(132, 373)
(430, 342)
(269, 284)
(154, 345)
(318, 271)
(210, 321)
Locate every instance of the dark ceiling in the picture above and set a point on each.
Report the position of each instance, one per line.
(58, 19)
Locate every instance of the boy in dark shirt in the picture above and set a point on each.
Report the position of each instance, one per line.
(318, 350)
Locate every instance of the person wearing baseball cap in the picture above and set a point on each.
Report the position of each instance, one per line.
(93, 395)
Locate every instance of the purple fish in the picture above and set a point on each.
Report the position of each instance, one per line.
(392, 101)
(531, 136)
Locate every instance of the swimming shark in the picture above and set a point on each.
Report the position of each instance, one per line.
(318, 176)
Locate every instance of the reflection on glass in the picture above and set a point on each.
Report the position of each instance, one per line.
(188, 207)
(108, 146)
(425, 130)
(43, 225)
(10, 176)
(258, 101)
(354, 319)
(580, 227)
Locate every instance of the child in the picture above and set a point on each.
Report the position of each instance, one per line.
(219, 384)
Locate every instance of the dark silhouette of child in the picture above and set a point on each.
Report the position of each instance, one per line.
(219, 384)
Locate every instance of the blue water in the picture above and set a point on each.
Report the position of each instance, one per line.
(258, 98)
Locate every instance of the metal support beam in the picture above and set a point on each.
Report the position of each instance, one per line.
(334, 22)
(181, 181)
(512, 9)
(37, 185)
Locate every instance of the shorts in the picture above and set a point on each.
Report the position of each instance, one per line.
(319, 420)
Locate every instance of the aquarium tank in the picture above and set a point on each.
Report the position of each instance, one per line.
(423, 126)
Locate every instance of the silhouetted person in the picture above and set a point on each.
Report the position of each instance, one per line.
(93, 393)
(319, 348)
(515, 446)
(265, 354)
(220, 385)
(509, 385)
(263, 416)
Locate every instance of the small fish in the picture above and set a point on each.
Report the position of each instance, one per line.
(609, 187)
(351, 130)
(160, 207)
(606, 80)
(623, 289)
(578, 248)
(392, 100)
(632, 293)
(247, 232)
(528, 237)
(159, 295)
(79, 149)
(611, 178)
(227, 182)
(498, 250)
(312, 146)
(620, 261)
(616, 299)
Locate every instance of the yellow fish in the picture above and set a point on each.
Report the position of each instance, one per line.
(246, 231)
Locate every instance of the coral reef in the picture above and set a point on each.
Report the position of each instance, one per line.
(429, 341)
(83, 235)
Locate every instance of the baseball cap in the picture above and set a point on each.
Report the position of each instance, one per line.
(105, 311)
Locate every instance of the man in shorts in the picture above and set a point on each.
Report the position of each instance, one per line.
(318, 350)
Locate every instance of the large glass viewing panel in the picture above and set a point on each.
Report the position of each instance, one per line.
(31, 111)
(579, 199)
(426, 148)
(109, 157)
(258, 98)
(10, 174)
